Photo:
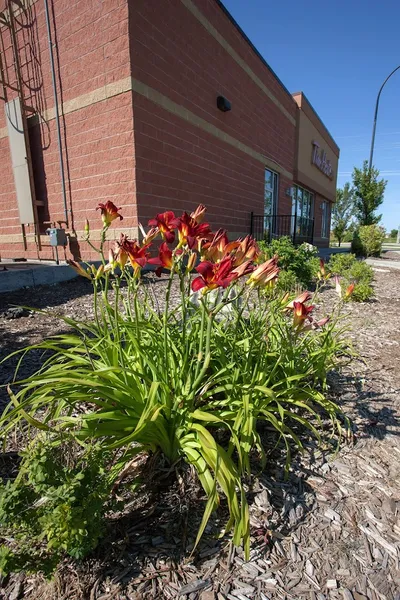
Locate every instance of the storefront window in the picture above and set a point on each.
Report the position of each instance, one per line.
(325, 219)
(302, 211)
(270, 192)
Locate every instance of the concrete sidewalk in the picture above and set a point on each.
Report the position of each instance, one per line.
(17, 275)
(380, 263)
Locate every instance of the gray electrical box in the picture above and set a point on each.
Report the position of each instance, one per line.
(57, 237)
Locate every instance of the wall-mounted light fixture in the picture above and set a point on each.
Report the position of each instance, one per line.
(223, 104)
(289, 192)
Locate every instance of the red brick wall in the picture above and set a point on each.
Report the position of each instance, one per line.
(179, 164)
(92, 52)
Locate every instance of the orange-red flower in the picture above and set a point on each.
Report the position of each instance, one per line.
(264, 273)
(246, 249)
(190, 232)
(109, 212)
(303, 297)
(79, 269)
(150, 235)
(166, 222)
(322, 274)
(216, 249)
(349, 291)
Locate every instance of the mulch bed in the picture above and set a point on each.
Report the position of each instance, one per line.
(330, 531)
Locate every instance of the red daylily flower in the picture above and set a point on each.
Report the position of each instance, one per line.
(164, 260)
(166, 222)
(301, 313)
(109, 212)
(264, 273)
(214, 275)
(190, 232)
(138, 255)
(222, 274)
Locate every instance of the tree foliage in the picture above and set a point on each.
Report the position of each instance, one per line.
(342, 212)
(369, 193)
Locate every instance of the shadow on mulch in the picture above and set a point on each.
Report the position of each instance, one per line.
(46, 296)
(370, 414)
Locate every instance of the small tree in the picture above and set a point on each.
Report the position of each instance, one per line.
(393, 233)
(368, 192)
(342, 211)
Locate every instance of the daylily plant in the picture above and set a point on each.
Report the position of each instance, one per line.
(166, 380)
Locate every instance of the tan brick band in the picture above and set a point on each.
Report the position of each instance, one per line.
(98, 95)
(221, 40)
(128, 84)
(95, 236)
(184, 113)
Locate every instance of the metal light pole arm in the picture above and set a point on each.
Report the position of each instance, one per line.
(376, 116)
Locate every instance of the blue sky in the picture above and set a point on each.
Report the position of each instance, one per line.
(338, 53)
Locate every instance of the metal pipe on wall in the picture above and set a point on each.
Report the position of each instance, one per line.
(58, 127)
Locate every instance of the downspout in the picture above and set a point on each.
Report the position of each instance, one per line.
(53, 78)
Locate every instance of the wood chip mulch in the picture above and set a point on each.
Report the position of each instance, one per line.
(330, 531)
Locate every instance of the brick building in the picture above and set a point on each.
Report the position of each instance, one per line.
(117, 100)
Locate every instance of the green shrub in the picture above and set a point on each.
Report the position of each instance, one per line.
(288, 281)
(362, 292)
(353, 271)
(341, 262)
(56, 506)
(190, 380)
(368, 241)
(301, 261)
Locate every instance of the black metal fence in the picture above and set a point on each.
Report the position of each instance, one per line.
(269, 227)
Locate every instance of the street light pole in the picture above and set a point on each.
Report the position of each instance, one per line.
(376, 116)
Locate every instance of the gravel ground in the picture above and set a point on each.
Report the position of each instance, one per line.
(331, 531)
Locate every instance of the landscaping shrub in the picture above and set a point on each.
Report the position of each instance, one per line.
(189, 380)
(299, 264)
(56, 505)
(353, 271)
(368, 241)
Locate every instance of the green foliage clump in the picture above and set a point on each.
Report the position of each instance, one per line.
(371, 239)
(342, 212)
(354, 271)
(299, 264)
(55, 506)
(368, 193)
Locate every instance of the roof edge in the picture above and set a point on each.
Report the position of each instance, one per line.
(318, 117)
(252, 46)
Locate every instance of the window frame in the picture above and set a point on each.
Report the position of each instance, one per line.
(325, 219)
(274, 189)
